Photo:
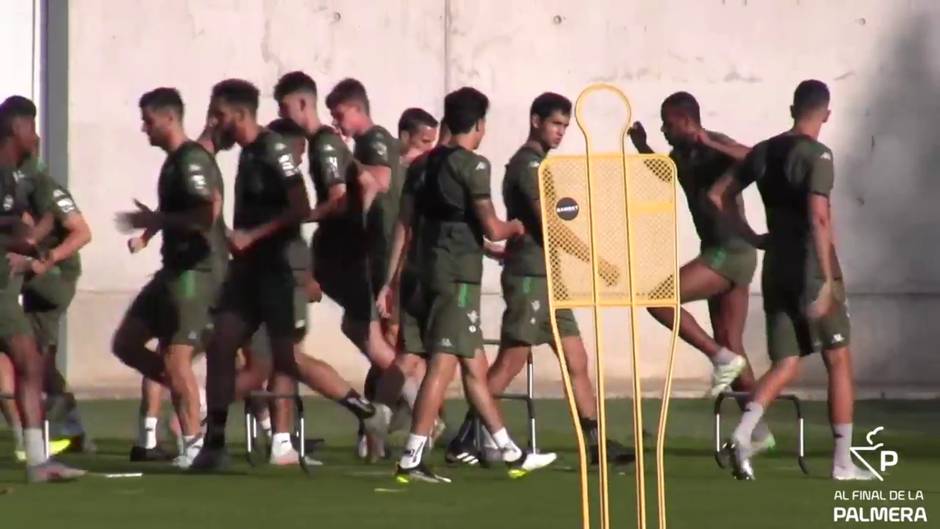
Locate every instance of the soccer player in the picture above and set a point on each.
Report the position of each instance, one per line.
(19, 142)
(264, 283)
(526, 320)
(50, 285)
(417, 133)
(403, 276)
(804, 295)
(174, 306)
(342, 247)
(456, 213)
(722, 272)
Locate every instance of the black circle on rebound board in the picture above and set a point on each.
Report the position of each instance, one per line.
(567, 209)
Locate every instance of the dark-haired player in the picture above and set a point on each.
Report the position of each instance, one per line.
(174, 306)
(456, 214)
(804, 296)
(722, 272)
(265, 280)
(18, 143)
(526, 320)
(417, 134)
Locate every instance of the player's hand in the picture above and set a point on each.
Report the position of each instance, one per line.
(496, 252)
(314, 292)
(823, 302)
(702, 137)
(638, 136)
(383, 302)
(516, 229)
(136, 244)
(142, 219)
(40, 266)
(608, 273)
(19, 264)
(240, 240)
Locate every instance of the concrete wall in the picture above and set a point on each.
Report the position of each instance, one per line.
(741, 59)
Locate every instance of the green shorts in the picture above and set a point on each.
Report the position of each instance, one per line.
(266, 294)
(13, 320)
(526, 320)
(46, 298)
(791, 333)
(175, 305)
(347, 280)
(737, 265)
(412, 311)
(452, 325)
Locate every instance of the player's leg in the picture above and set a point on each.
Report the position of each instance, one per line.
(833, 332)
(184, 392)
(788, 339)
(17, 335)
(236, 319)
(473, 370)
(140, 324)
(728, 314)
(441, 369)
(8, 407)
(46, 299)
(699, 281)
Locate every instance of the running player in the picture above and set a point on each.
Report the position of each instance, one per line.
(403, 276)
(50, 285)
(804, 295)
(525, 291)
(19, 142)
(174, 306)
(456, 213)
(723, 270)
(265, 280)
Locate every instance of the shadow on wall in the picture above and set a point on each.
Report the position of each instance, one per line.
(889, 197)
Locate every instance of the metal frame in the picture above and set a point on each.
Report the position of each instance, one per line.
(528, 398)
(251, 426)
(797, 406)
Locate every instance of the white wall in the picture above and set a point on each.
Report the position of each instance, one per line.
(17, 26)
(741, 59)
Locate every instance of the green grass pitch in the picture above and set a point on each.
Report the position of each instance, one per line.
(349, 494)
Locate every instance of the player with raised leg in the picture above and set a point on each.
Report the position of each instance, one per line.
(722, 272)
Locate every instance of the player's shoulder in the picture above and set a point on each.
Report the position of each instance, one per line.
(469, 160)
(377, 133)
(326, 142)
(525, 158)
(192, 152)
(273, 144)
(812, 149)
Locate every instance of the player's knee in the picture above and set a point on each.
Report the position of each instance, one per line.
(837, 359)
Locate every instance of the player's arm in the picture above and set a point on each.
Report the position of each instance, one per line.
(725, 197)
(63, 208)
(297, 210)
(400, 236)
(330, 161)
(374, 160)
(477, 185)
(638, 136)
(820, 219)
(724, 145)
